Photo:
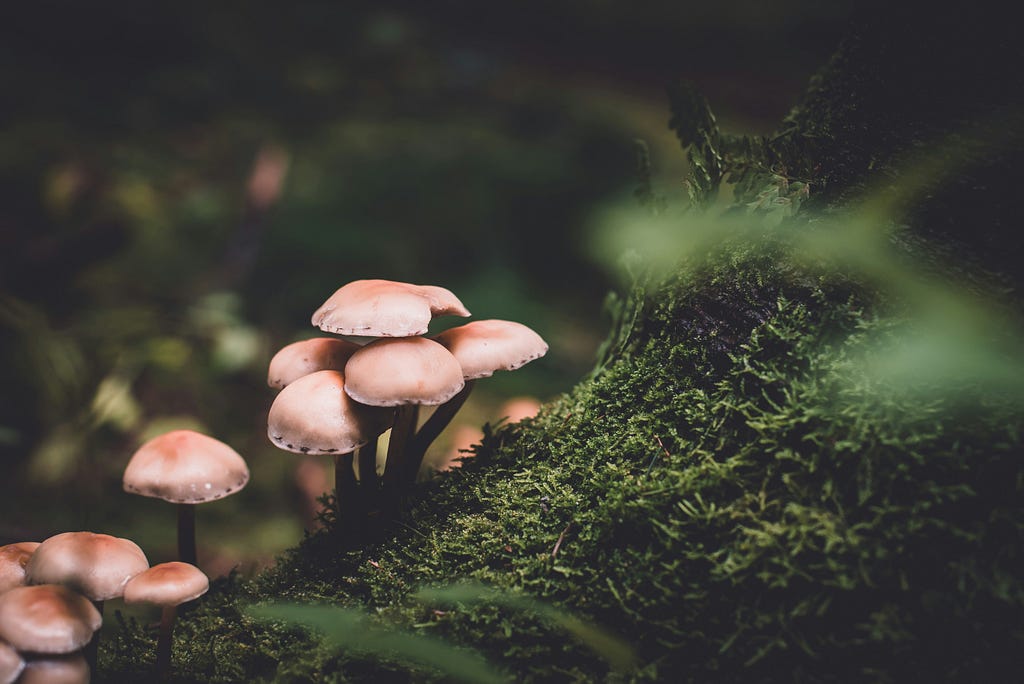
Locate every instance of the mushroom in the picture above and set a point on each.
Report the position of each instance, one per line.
(314, 415)
(385, 308)
(13, 558)
(11, 664)
(403, 372)
(308, 356)
(186, 468)
(95, 565)
(47, 618)
(70, 668)
(167, 585)
(481, 348)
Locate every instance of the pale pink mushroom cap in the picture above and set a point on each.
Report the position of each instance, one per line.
(308, 356)
(482, 347)
(167, 584)
(183, 466)
(48, 618)
(97, 565)
(11, 664)
(13, 559)
(405, 370)
(314, 415)
(385, 308)
(71, 668)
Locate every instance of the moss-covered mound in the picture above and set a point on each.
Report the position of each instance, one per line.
(738, 492)
(736, 496)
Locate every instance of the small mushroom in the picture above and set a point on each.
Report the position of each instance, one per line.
(95, 565)
(71, 668)
(314, 415)
(481, 348)
(11, 664)
(13, 559)
(186, 468)
(308, 356)
(47, 618)
(167, 585)
(385, 308)
(404, 372)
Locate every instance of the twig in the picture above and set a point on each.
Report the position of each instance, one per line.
(561, 538)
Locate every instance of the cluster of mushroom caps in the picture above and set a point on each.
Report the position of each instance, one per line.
(52, 593)
(337, 396)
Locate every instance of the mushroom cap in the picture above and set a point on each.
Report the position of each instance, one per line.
(167, 584)
(47, 618)
(13, 559)
(404, 370)
(11, 664)
(482, 347)
(314, 415)
(385, 308)
(308, 356)
(71, 668)
(97, 565)
(183, 466)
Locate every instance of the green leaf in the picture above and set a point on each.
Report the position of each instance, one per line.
(613, 650)
(350, 630)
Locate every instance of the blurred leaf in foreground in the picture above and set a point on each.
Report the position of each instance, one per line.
(351, 630)
(613, 650)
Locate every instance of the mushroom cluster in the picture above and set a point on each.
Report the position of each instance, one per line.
(337, 396)
(52, 593)
(52, 597)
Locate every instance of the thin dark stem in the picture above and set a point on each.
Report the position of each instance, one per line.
(368, 480)
(187, 533)
(345, 490)
(401, 435)
(437, 422)
(163, 643)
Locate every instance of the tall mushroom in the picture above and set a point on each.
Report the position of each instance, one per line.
(404, 372)
(314, 415)
(185, 468)
(481, 348)
(385, 308)
(167, 585)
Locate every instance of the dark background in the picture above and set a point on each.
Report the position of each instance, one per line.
(146, 279)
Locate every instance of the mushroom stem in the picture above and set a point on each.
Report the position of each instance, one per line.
(368, 483)
(92, 649)
(345, 488)
(401, 435)
(187, 533)
(163, 643)
(433, 427)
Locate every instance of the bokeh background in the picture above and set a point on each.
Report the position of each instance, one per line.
(182, 184)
